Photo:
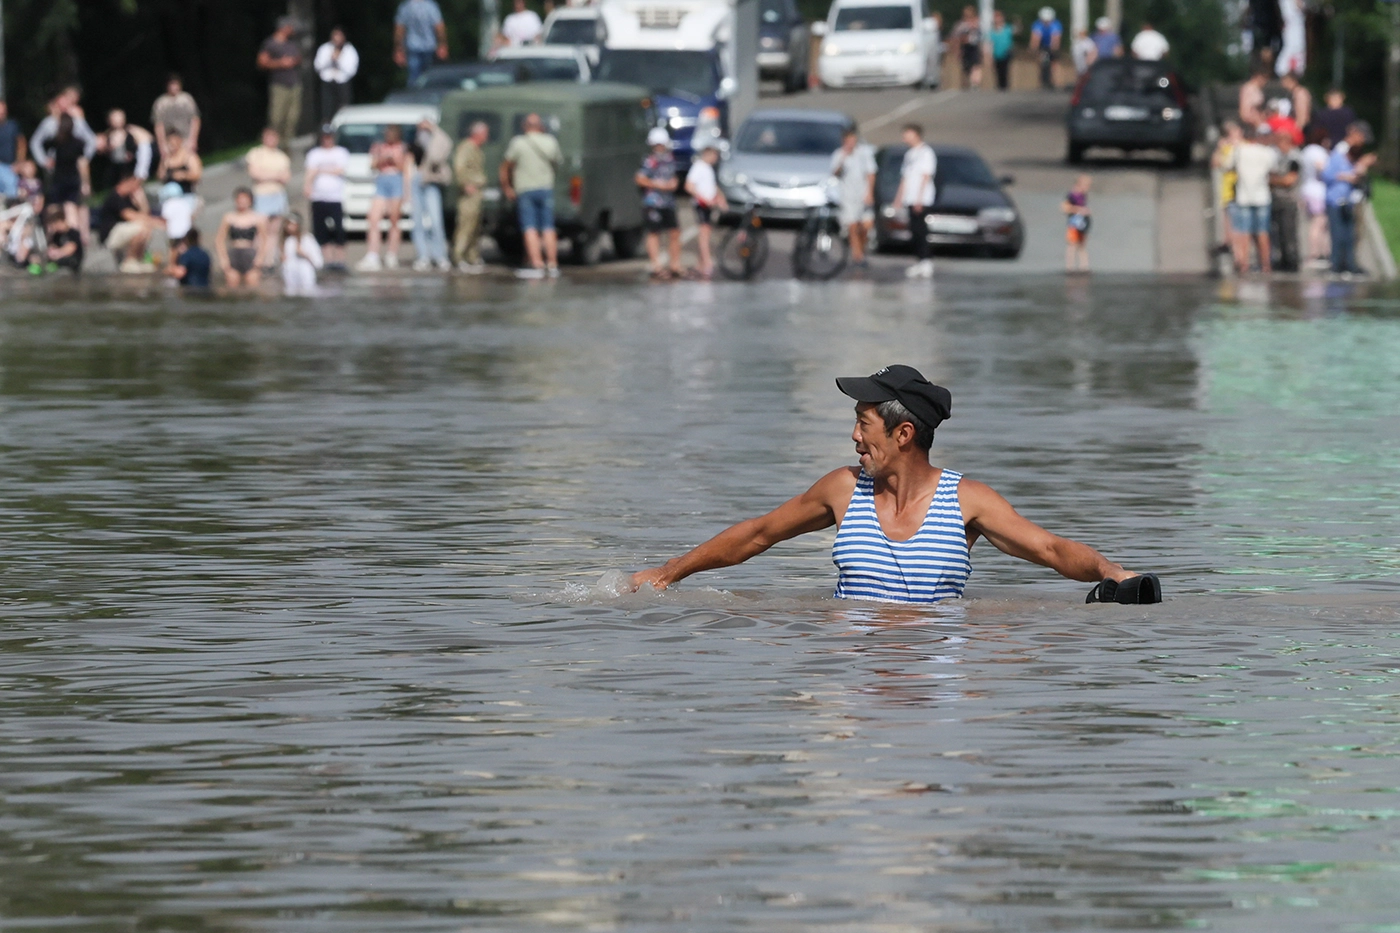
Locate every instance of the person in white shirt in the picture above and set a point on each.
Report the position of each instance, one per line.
(336, 63)
(1253, 161)
(1084, 52)
(301, 257)
(177, 209)
(703, 188)
(325, 190)
(853, 167)
(1150, 45)
(916, 195)
(521, 27)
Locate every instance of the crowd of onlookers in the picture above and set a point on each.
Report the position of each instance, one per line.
(1284, 156)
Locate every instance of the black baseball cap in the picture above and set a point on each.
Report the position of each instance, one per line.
(929, 403)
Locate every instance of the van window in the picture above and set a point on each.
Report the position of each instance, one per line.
(868, 18)
(573, 32)
(543, 69)
(358, 137)
(467, 117)
(663, 71)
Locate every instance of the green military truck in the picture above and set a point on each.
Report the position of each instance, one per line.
(602, 131)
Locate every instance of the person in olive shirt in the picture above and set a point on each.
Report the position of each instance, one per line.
(280, 57)
(527, 177)
(469, 168)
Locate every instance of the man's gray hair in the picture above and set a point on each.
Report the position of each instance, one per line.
(893, 413)
(478, 125)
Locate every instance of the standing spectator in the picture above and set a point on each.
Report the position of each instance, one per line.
(1301, 98)
(1083, 52)
(389, 161)
(527, 177)
(129, 149)
(1345, 167)
(521, 27)
(419, 34)
(301, 259)
(1046, 36)
(336, 63)
(967, 34)
(325, 190)
(1106, 41)
(703, 188)
(916, 195)
(1150, 45)
(280, 57)
(181, 166)
(1336, 117)
(269, 170)
(65, 104)
(1314, 192)
(241, 242)
(125, 224)
(432, 151)
(14, 149)
(469, 168)
(1078, 217)
(175, 110)
(70, 179)
(1254, 161)
(1002, 38)
(853, 166)
(1283, 185)
(1221, 159)
(190, 264)
(1251, 103)
(657, 179)
(1281, 120)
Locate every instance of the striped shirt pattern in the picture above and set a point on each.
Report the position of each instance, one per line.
(930, 566)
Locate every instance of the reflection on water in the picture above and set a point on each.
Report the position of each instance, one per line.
(306, 623)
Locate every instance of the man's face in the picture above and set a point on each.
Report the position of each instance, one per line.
(327, 141)
(480, 135)
(337, 38)
(270, 139)
(911, 138)
(173, 88)
(284, 33)
(876, 447)
(848, 143)
(116, 120)
(1335, 100)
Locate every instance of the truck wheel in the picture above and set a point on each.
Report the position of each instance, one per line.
(1181, 156)
(627, 243)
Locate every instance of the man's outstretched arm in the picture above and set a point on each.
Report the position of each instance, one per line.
(988, 514)
(817, 508)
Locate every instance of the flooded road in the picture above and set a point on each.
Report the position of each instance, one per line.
(302, 624)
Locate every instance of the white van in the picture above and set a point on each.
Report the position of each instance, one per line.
(872, 43)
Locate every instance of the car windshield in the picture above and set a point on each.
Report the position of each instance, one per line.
(969, 170)
(358, 137)
(1129, 78)
(573, 32)
(770, 11)
(867, 18)
(798, 137)
(660, 70)
(543, 69)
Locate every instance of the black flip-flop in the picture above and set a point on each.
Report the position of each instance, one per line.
(1134, 591)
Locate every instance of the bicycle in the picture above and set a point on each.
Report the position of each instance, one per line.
(744, 250)
(820, 251)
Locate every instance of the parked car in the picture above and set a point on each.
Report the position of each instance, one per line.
(357, 128)
(970, 209)
(578, 26)
(547, 62)
(784, 44)
(780, 161)
(437, 80)
(601, 128)
(1127, 104)
(880, 43)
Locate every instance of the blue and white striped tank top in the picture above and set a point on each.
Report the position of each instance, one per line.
(930, 566)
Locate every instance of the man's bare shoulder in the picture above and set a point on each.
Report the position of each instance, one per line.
(976, 497)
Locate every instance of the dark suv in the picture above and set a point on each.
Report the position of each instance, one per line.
(1123, 103)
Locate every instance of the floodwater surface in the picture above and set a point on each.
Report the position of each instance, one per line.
(306, 622)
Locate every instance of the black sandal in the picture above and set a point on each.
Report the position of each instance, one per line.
(1134, 591)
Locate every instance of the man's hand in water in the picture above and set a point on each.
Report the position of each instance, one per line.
(654, 577)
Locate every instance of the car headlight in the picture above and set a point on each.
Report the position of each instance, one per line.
(831, 48)
(907, 48)
(995, 216)
(1171, 113)
(1088, 113)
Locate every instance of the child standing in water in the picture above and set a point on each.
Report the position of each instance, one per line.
(1077, 217)
(301, 258)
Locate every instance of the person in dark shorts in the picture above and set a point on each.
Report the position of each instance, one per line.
(70, 181)
(967, 34)
(703, 188)
(657, 179)
(65, 249)
(325, 189)
(190, 263)
(241, 242)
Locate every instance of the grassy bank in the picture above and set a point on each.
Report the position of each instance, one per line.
(1385, 199)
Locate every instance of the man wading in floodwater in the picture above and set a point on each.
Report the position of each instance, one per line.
(905, 526)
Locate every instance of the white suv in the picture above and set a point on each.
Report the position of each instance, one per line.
(871, 43)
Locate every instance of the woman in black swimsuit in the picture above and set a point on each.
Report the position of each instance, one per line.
(70, 182)
(241, 241)
(180, 164)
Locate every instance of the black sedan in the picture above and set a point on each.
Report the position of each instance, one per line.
(970, 209)
(1123, 103)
